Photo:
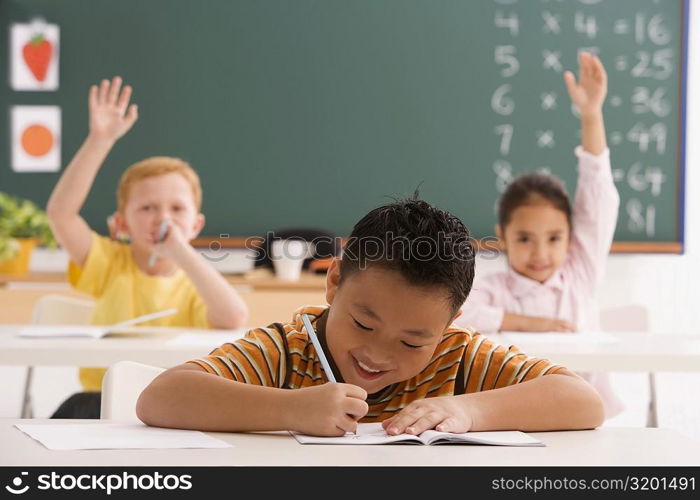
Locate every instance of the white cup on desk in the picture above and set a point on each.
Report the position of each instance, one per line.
(288, 258)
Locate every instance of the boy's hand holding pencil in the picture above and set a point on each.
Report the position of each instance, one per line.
(331, 409)
(169, 242)
(162, 232)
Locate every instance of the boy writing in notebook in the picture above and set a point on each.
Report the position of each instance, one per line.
(159, 200)
(390, 342)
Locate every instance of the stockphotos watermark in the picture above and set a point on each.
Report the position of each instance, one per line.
(102, 483)
(365, 250)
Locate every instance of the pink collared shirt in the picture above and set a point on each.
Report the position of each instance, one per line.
(570, 293)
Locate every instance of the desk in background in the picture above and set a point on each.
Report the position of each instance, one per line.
(681, 353)
(264, 279)
(265, 306)
(151, 346)
(257, 279)
(634, 352)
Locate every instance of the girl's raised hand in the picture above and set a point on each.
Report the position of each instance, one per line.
(110, 114)
(588, 94)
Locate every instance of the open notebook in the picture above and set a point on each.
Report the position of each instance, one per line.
(374, 434)
(88, 331)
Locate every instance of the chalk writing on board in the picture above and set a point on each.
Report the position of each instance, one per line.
(586, 24)
(501, 102)
(506, 132)
(552, 23)
(637, 48)
(641, 178)
(505, 54)
(654, 29)
(548, 100)
(646, 100)
(551, 60)
(509, 22)
(641, 218)
(545, 138)
(648, 138)
(504, 174)
(657, 64)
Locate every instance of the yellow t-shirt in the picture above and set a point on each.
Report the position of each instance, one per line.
(122, 291)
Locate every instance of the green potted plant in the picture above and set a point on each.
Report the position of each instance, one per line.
(23, 225)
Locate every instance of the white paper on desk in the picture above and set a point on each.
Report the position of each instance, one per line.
(211, 340)
(103, 436)
(588, 338)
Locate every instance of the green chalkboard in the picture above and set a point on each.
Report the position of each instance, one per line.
(312, 112)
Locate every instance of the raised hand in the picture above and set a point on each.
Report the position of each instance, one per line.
(588, 94)
(111, 116)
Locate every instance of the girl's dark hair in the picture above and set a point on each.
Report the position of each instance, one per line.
(525, 187)
(428, 246)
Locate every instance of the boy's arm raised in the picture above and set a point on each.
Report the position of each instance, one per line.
(110, 118)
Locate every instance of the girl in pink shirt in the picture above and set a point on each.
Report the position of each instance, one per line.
(556, 255)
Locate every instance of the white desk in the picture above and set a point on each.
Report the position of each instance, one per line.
(147, 345)
(639, 352)
(607, 446)
(634, 352)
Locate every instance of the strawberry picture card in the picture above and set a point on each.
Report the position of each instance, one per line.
(34, 56)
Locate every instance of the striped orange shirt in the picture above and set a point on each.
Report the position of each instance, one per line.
(283, 356)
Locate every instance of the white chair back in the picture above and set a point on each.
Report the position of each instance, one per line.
(121, 387)
(62, 310)
(53, 309)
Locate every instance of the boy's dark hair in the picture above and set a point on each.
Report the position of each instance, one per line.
(428, 246)
(527, 187)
